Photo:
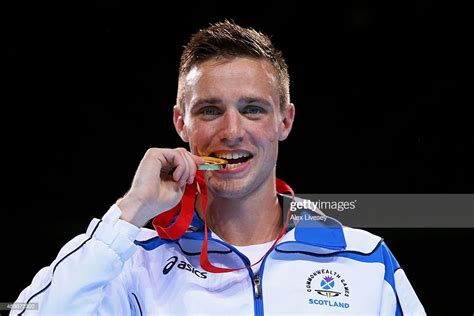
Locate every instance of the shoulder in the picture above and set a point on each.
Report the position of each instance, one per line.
(360, 240)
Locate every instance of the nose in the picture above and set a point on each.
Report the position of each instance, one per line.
(231, 130)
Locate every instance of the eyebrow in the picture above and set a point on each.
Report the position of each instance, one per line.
(254, 100)
(245, 100)
(209, 101)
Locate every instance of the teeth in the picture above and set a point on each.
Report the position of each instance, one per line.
(233, 165)
(234, 155)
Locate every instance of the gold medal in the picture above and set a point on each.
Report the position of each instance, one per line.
(212, 163)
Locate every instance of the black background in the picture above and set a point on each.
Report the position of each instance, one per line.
(379, 88)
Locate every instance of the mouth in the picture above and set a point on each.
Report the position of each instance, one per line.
(235, 158)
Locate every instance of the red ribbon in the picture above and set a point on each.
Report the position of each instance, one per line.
(184, 212)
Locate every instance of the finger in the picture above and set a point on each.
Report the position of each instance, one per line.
(192, 167)
(184, 176)
(197, 159)
(173, 159)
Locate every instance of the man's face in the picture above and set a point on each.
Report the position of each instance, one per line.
(232, 111)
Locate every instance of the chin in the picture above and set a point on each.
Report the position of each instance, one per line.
(230, 189)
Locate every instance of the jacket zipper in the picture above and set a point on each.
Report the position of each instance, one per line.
(257, 292)
(257, 288)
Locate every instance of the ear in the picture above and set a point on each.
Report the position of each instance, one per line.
(178, 120)
(287, 118)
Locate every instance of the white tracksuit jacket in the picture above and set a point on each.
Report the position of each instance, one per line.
(318, 268)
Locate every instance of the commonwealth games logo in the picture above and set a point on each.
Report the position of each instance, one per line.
(327, 283)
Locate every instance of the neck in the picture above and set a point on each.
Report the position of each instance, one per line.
(254, 219)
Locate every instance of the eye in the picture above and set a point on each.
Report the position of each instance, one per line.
(209, 111)
(253, 110)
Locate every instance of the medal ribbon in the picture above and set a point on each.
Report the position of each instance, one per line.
(184, 212)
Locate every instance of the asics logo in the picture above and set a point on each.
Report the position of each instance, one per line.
(171, 262)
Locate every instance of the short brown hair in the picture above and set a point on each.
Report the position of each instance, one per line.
(227, 39)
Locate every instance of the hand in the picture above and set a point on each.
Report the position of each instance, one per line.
(158, 184)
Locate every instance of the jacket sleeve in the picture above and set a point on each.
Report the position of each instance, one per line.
(398, 297)
(88, 276)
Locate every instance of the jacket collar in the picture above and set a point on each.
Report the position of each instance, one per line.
(308, 227)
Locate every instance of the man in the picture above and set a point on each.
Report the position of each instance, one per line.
(238, 255)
